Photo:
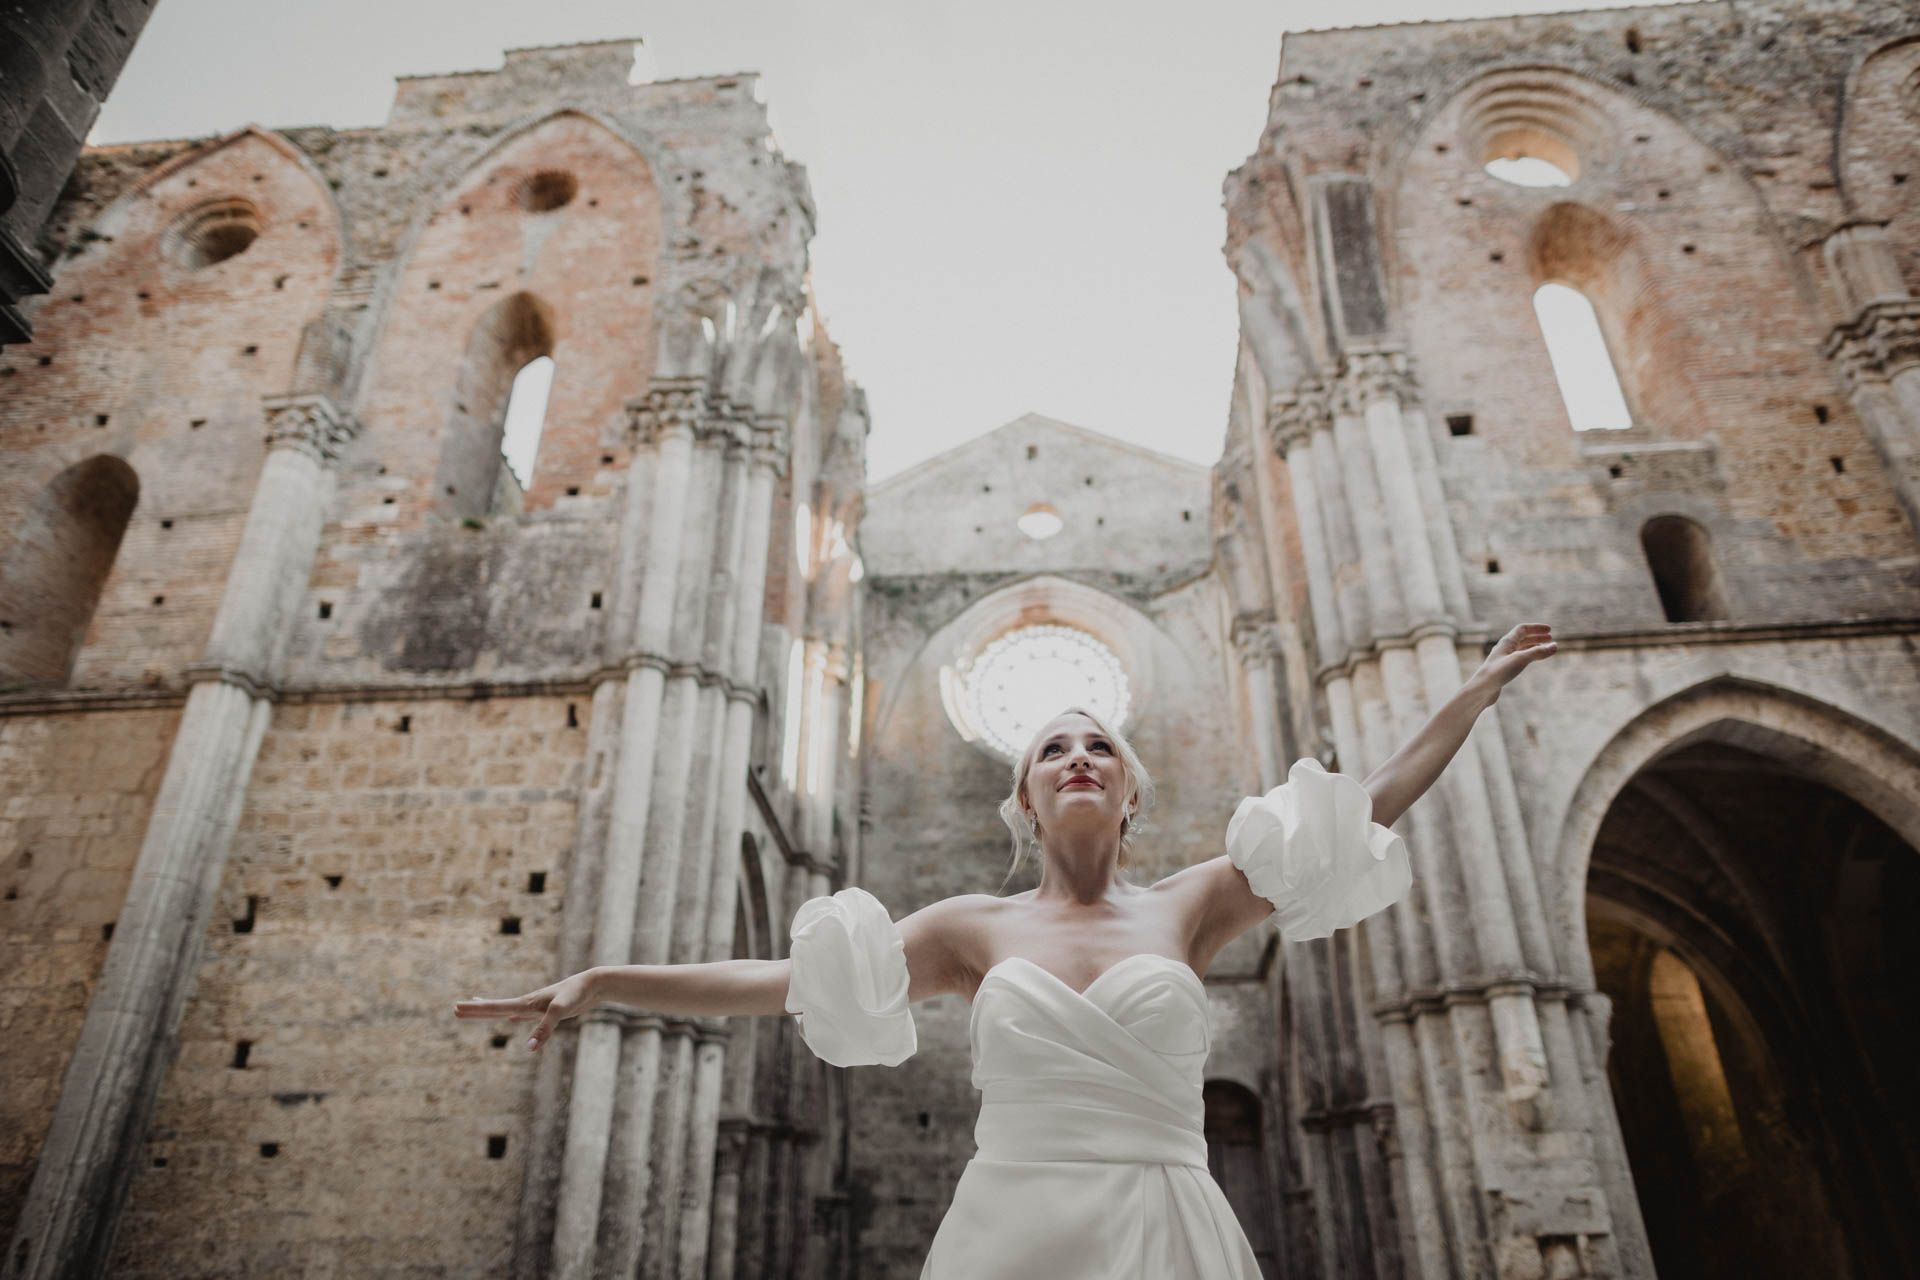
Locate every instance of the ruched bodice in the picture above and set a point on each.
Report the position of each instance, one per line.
(1112, 1073)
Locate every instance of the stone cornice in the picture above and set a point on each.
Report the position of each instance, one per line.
(1879, 343)
(312, 424)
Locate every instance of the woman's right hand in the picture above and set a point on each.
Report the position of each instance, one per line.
(567, 998)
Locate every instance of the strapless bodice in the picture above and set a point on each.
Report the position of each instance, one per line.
(1112, 1073)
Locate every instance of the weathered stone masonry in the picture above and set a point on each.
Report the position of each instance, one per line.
(434, 734)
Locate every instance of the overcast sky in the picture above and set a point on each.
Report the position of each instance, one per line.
(1019, 199)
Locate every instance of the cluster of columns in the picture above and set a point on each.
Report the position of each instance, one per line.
(628, 1143)
(132, 1024)
(1877, 351)
(1474, 1095)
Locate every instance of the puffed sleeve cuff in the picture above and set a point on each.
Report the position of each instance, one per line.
(1311, 848)
(849, 981)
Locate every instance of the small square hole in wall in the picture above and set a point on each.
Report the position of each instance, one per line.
(593, 601)
(926, 1120)
(166, 524)
(245, 923)
(1615, 470)
(510, 924)
(1820, 413)
(159, 1162)
(106, 931)
(326, 610)
(251, 349)
(333, 882)
(496, 1146)
(159, 600)
(1839, 464)
(573, 716)
(606, 459)
(432, 285)
(403, 725)
(268, 1150)
(536, 882)
(638, 281)
(1496, 256)
(1459, 424)
(47, 360)
(573, 491)
(498, 1042)
(100, 419)
(386, 502)
(1493, 566)
(1033, 451)
(1899, 179)
(241, 1048)
(1186, 515)
(1688, 248)
(194, 424)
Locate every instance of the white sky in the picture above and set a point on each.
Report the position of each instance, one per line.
(1019, 199)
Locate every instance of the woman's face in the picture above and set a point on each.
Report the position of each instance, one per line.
(1076, 782)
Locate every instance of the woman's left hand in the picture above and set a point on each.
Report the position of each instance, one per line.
(1514, 652)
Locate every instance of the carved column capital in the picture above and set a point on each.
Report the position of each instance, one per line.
(1256, 639)
(770, 443)
(1293, 418)
(312, 424)
(669, 405)
(1373, 374)
(1879, 343)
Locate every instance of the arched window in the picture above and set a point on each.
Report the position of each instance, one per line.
(53, 571)
(512, 334)
(1680, 555)
(1588, 382)
(526, 415)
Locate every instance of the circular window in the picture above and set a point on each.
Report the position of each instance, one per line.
(547, 190)
(1040, 522)
(213, 233)
(1026, 676)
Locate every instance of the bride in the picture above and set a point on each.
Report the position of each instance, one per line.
(1088, 1029)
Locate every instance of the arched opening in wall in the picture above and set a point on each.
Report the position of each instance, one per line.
(1582, 365)
(56, 565)
(1625, 349)
(1532, 157)
(1752, 930)
(1237, 1158)
(211, 233)
(1680, 556)
(526, 416)
(469, 479)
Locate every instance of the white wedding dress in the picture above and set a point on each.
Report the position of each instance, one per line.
(1091, 1161)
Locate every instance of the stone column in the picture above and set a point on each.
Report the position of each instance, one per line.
(1256, 643)
(714, 920)
(130, 1034)
(664, 422)
(635, 1221)
(1877, 353)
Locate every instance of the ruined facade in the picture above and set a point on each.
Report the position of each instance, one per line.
(1634, 1014)
(315, 719)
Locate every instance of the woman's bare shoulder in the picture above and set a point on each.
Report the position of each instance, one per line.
(944, 943)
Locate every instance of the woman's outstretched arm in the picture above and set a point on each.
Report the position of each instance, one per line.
(687, 990)
(1405, 775)
(936, 942)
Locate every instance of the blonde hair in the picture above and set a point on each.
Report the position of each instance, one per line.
(1026, 833)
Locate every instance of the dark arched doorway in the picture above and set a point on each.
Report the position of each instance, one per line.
(1753, 928)
(1237, 1159)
